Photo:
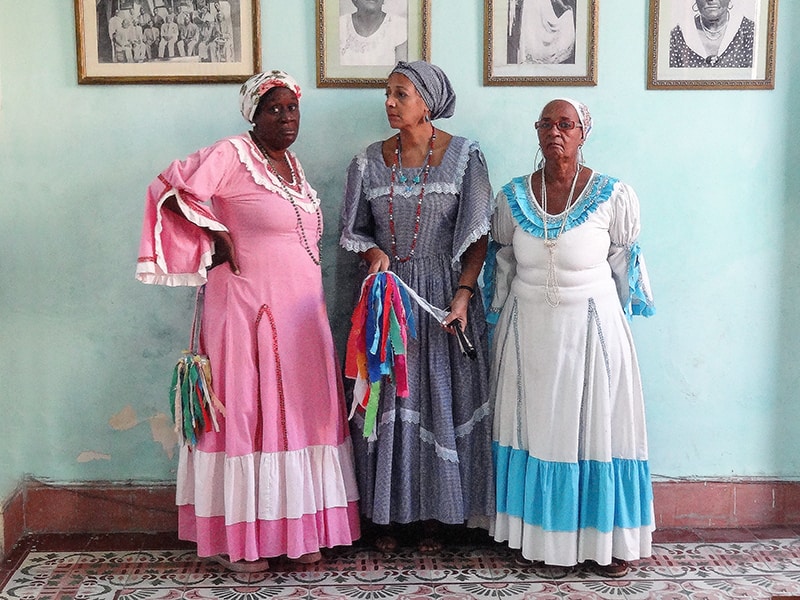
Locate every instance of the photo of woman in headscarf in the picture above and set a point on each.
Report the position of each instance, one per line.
(714, 33)
(541, 32)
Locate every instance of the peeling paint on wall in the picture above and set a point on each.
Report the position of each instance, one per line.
(162, 427)
(163, 430)
(90, 455)
(124, 419)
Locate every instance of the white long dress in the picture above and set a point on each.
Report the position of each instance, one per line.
(570, 446)
(544, 37)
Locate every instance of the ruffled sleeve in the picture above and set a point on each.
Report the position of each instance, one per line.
(174, 250)
(357, 223)
(625, 256)
(501, 265)
(475, 203)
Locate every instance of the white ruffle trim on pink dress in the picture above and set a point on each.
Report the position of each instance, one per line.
(267, 486)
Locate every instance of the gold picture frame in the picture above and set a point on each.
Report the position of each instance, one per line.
(516, 55)
(348, 60)
(678, 56)
(121, 41)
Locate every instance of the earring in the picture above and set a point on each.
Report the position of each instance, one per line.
(536, 158)
(694, 7)
(580, 155)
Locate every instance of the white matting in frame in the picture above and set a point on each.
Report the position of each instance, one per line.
(540, 42)
(739, 53)
(347, 59)
(204, 41)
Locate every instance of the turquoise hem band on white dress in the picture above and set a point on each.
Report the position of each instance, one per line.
(561, 496)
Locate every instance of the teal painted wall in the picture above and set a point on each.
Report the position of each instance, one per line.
(86, 351)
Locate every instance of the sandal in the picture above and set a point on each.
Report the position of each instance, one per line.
(524, 562)
(618, 568)
(308, 559)
(386, 543)
(242, 566)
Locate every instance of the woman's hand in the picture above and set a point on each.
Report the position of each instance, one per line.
(458, 310)
(224, 251)
(471, 264)
(377, 260)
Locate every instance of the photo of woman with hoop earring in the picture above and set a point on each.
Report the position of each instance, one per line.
(714, 33)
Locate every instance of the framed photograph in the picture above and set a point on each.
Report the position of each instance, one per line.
(167, 41)
(540, 42)
(712, 44)
(360, 41)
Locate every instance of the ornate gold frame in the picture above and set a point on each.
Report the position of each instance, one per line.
(91, 70)
(660, 76)
(499, 72)
(332, 74)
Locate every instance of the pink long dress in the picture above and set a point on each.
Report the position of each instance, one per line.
(278, 477)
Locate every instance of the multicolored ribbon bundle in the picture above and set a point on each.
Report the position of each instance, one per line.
(376, 347)
(192, 401)
(194, 405)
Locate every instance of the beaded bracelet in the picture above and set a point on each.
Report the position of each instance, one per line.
(467, 287)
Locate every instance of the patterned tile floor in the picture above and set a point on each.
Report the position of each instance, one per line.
(703, 564)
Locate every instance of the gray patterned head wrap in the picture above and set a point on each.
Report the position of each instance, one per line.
(432, 84)
(259, 84)
(584, 116)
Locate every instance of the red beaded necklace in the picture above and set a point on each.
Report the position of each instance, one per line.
(422, 179)
(288, 195)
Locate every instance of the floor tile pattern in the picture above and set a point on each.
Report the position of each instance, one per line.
(707, 570)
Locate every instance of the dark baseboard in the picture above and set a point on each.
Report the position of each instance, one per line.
(106, 507)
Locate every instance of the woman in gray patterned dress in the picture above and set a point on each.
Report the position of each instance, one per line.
(419, 204)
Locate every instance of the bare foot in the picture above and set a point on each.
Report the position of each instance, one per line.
(429, 545)
(430, 539)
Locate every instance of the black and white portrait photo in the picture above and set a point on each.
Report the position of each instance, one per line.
(712, 33)
(540, 42)
(373, 32)
(541, 32)
(142, 31)
(712, 44)
(167, 41)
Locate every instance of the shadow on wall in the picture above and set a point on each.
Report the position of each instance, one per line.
(787, 407)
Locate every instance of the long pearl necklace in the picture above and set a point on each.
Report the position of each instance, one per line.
(421, 178)
(552, 292)
(715, 35)
(288, 195)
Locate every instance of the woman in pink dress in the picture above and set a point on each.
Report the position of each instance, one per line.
(277, 479)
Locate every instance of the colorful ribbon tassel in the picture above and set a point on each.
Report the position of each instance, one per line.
(376, 347)
(193, 402)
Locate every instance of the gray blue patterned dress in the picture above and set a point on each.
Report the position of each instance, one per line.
(432, 458)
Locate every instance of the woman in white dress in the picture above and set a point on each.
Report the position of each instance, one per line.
(547, 35)
(371, 37)
(570, 446)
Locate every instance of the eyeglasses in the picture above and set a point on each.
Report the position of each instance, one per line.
(562, 125)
